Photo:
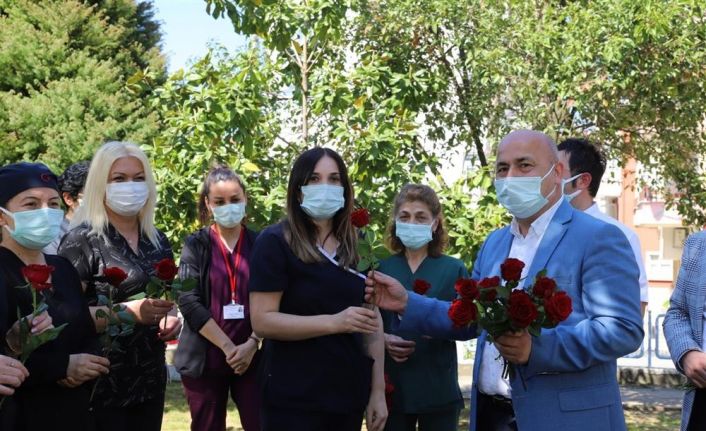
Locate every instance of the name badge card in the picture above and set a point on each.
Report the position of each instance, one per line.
(233, 311)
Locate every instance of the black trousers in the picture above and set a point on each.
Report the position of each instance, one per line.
(278, 419)
(697, 419)
(495, 414)
(146, 416)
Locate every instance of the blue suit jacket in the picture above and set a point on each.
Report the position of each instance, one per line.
(683, 325)
(570, 380)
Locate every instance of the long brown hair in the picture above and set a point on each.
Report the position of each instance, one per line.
(426, 195)
(300, 230)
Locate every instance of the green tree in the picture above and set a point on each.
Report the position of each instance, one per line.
(397, 85)
(631, 76)
(63, 68)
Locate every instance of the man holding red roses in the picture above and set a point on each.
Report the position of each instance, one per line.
(566, 377)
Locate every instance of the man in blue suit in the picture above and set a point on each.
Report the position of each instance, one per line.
(565, 379)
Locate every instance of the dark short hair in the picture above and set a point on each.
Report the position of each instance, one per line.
(583, 157)
(426, 195)
(217, 173)
(73, 179)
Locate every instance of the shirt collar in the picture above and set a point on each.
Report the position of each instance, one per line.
(538, 226)
(593, 210)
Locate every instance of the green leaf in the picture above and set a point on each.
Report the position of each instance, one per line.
(103, 300)
(137, 296)
(126, 317)
(188, 284)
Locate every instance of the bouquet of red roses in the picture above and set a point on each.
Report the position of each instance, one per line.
(499, 308)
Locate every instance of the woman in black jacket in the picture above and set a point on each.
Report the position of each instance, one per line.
(217, 348)
(55, 395)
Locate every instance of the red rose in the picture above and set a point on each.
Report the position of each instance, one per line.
(544, 287)
(389, 389)
(360, 218)
(521, 309)
(462, 312)
(37, 276)
(467, 288)
(114, 275)
(558, 307)
(166, 269)
(489, 282)
(421, 286)
(37, 273)
(511, 269)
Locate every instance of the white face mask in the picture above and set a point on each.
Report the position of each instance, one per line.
(126, 199)
(229, 215)
(413, 236)
(322, 201)
(567, 181)
(522, 196)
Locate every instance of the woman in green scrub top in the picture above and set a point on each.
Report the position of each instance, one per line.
(422, 370)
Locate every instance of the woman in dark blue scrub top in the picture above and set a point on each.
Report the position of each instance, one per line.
(323, 354)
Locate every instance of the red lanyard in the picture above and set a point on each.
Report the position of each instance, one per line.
(232, 272)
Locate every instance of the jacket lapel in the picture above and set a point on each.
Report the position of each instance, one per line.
(500, 253)
(555, 232)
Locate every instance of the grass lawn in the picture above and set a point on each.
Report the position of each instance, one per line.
(176, 416)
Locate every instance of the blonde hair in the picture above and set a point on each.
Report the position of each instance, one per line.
(93, 211)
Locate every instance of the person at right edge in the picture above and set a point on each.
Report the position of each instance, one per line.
(684, 327)
(566, 378)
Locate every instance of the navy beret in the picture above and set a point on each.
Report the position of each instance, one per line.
(18, 177)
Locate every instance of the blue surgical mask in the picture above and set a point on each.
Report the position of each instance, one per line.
(570, 196)
(522, 196)
(229, 215)
(322, 201)
(413, 236)
(35, 229)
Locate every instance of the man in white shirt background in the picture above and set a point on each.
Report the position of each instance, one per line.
(584, 165)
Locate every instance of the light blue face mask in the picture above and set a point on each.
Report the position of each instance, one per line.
(570, 196)
(229, 215)
(413, 236)
(522, 196)
(35, 229)
(322, 201)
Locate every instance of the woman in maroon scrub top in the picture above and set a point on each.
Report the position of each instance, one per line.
(217, 350)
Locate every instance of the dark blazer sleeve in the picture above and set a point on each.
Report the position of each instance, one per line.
(191, 302)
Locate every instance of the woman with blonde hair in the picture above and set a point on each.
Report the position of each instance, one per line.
(115, 228)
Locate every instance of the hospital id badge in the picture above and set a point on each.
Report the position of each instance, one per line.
(233, 311)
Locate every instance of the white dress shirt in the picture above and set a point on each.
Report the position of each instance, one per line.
(634, 241)
(524, 248)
